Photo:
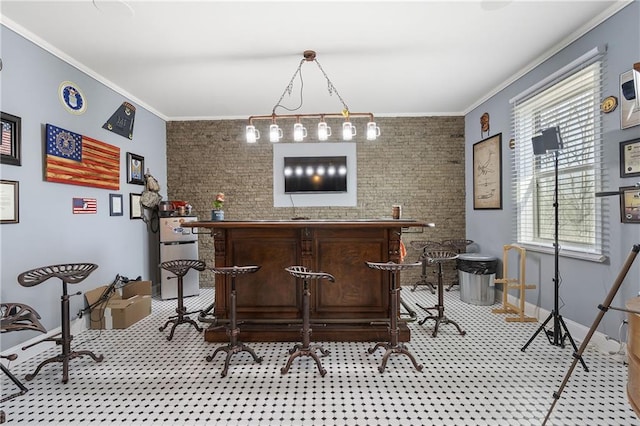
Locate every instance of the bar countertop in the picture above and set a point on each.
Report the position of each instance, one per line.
(304, 222)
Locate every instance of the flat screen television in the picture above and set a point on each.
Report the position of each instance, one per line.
(315, 174)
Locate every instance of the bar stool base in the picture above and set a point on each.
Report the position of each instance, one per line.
(298, 351)
(231, 350)
(393, 349)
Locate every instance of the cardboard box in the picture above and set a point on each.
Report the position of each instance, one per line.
(126, 306)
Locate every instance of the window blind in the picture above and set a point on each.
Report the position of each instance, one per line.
(570, 102)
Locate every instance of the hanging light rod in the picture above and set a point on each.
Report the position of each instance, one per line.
(299, 131)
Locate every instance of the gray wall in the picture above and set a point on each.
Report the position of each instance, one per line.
(417, 162)
(48, 232)
(584, 284)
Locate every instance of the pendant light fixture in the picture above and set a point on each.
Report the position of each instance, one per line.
(372, 131)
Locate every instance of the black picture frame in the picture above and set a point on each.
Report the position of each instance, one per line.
(630, 204)
(135, 208)
(630, 158)
(10, 201)
(487, 173)
(135, 169)
(12, 136)
(116, 207)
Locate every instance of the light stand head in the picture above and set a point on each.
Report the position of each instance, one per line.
(548, 141)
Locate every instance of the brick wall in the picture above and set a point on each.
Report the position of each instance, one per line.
(417, 162)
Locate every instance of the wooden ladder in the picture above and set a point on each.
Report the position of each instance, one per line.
(514, 283)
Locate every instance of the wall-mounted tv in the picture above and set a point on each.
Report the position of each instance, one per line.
(315, 174)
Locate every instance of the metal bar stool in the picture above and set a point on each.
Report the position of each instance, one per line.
(393, 346)
(179, 268)
(439, 257)
(234, 346)
(305, 348)
(457, 246)
(71, 273)
(17, 317)
(424, 246)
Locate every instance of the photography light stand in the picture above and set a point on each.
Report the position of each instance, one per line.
(559, 333)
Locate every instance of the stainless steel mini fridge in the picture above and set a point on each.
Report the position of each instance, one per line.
(178, 242)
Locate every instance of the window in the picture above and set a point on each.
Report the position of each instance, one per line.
(568, 177)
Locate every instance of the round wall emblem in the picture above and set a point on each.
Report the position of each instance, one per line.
(72, 98)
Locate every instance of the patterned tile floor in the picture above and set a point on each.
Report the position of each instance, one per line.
(482, 378)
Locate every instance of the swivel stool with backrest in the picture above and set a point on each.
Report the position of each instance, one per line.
(17, 317)
(393, 346)
(439, 257)
(179, 268)
(306, 348)
(423, 247)
(70, 273)
(234, 346)
(457, 246)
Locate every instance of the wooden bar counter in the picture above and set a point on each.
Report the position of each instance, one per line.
(269, 302)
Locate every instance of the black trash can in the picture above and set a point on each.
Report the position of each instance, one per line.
(477, 275)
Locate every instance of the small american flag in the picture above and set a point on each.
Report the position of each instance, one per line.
(5, 146)
(85, 206)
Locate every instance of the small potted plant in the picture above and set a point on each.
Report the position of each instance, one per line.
(217, 213)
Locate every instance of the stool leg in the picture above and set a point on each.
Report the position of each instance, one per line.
(394, 346)
(65, 341)
(439, 318)
(306, 349)
(181, 317)
(233, 331)
(423, 277)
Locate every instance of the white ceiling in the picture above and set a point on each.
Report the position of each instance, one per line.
(230, 59)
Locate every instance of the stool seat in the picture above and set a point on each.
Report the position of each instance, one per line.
(234, 346)
(180, 268)
(68, 273)
(438, 257)
(306, 348)
(17, 317)
(393, 346)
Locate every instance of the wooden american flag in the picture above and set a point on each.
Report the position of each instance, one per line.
(80, 160)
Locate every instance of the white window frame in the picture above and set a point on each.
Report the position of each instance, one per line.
(570, 100)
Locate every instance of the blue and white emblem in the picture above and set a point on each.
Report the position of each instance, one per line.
(72, 98)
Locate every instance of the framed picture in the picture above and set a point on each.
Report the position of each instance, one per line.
(630, 204)
(115, 205)
(135, 169)
(9, 201)
(487, 173)
(630, 158)
(11, 139)
(629, 111)
(135, 208)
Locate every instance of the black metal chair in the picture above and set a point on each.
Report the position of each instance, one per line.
(457, 246)
(423, 247)
(393, 346)
(70, 273)
(234, 346)
(17, 317)
(306, 348)
(439, 257)
(179, 268)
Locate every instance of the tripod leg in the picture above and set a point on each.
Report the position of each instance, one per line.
(541, 328)
(603, 309)
(573, 343)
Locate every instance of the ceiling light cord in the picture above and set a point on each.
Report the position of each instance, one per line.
(289, 89)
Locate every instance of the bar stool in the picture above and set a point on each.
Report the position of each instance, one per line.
(71, 273)
(179, 268)
(234, 346)
(17, 317)
(393, 346)
(305, 348)
(424, 246)
(439, 257)
(457, 246)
